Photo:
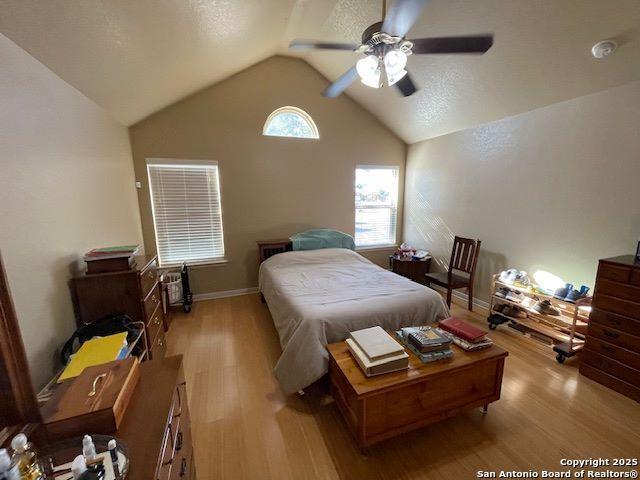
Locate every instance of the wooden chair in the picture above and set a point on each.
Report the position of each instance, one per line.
(464, 258)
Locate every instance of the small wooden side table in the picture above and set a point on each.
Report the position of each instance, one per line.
(412, 269)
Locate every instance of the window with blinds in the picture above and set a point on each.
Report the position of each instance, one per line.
(187, 213)
(376, 193)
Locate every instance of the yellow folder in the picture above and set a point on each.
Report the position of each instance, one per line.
(96, 351)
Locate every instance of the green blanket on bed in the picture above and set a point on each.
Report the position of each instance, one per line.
(322, 238)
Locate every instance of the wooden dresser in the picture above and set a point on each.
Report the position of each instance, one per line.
(134, 292)
(611, 354)
(156, 426)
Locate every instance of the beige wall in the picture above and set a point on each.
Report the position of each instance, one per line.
(66, 185)
(553, 189)
(271, 187)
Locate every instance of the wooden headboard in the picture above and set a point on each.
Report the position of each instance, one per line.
(269, 248)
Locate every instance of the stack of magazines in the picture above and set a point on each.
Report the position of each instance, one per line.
(466, 336)
(376, 351)
(427, 343)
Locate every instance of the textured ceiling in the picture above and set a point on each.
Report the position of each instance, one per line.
(135, 57)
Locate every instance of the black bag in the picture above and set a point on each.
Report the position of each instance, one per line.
(101, 328)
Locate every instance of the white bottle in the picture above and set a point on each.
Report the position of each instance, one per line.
(78, 467)
(88, 448)
(8, 470)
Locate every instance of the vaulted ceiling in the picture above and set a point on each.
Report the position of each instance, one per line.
(134, 57)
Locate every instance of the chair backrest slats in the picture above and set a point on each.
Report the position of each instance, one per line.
(464, 255)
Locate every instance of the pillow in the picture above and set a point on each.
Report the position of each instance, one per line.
(322, 238)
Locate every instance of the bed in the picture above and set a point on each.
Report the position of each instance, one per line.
(317, 297)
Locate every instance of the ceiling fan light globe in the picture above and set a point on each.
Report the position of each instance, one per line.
(394, 62)
(392, 79)
(368, 69)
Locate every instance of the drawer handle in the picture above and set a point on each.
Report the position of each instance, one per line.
(179, 442)
(153, 297)
(160, 343)
(183, 467)
(610, 334)
(607, 349)
(156, 321)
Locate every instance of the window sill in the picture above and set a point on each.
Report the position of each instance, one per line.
(209, 263)
(376, 247)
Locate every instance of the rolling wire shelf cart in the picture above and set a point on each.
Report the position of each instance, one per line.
(564, 332)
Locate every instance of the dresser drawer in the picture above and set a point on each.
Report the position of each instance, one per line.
(151, 302)
(148, 278)
(617, 305)
(619, 322)
(154, 326)
(610, 381)
(612, 367)
(635, 277)
(615, 352)
(611, 335)
(617, 273)
(159, 345)
(619, 290)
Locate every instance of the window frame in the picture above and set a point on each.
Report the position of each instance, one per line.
(394, 241)
(181, 162)
(297, 111)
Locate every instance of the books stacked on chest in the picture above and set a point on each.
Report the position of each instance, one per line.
(376, 352)
(465, 335)
(111, 259)
(429, 344)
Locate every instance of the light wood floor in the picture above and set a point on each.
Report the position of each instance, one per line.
(244, 428)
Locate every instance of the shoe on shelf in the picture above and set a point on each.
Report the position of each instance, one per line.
(509, 276)
(502, 292)
(522, 279)
(498, 307)
(562, 292)
(574, 295)
(516, 297)
(543, 291)
(528, 302)
(514, 312)
(544, 307)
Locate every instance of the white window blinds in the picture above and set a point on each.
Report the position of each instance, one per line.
(187, 214)
(376, 193)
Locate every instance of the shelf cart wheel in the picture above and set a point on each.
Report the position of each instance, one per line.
(186, 308)
(560, 358)
(492, 326)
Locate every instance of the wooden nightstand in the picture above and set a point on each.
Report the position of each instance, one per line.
(413, 270)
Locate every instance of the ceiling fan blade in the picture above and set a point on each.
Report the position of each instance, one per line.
(341, 84)
(318, 45)
(401, 17)
(406, 86)
(471, 44)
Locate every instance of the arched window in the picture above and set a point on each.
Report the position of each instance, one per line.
(290, 122)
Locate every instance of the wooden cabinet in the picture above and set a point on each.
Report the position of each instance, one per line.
(157, 426)
(412, 269)
(134, 292)
(612, 349)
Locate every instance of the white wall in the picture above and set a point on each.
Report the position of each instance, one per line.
(66, 185)
(555, 188)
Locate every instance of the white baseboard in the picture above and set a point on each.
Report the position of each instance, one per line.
(463, 296)
(198, 297)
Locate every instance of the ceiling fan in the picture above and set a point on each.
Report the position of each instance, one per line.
(386, 49)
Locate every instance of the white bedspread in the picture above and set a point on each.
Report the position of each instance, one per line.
(317, 297)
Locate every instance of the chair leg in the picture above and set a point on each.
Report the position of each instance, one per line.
(449, 291)
(470, 295)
